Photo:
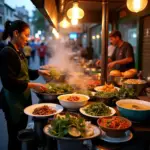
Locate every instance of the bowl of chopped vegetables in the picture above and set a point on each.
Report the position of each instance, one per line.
(114, 126)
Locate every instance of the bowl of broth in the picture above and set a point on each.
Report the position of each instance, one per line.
(134, 109)
(73, 101)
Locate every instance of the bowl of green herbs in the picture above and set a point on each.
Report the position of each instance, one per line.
(97, 110)
(71, 126)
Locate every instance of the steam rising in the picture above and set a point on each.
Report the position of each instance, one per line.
(62, 58)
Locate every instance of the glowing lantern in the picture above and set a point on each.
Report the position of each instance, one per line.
(97, 36)
(93, 37)
(136, 5)
(75, 12)
(64, 23)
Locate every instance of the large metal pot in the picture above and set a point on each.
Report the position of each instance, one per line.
(139, 88)
(47, 97)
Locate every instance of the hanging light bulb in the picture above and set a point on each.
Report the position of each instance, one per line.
(136, 5)
(97, 36)
(64, 23)
(74, 22)
(75, 12)
(56, 34)
(93, 37)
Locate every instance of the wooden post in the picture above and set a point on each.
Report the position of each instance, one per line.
(104, 38)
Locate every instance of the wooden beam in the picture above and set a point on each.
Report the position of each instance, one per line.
(51, 9)
(93, 17)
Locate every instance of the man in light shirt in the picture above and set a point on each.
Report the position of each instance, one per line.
(111, 49)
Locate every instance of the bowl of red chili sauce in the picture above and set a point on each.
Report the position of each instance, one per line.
(114, 126)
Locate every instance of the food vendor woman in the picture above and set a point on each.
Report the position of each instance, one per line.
(122, 58)
(15, 77)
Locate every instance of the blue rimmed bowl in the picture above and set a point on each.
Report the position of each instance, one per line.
(137, 113)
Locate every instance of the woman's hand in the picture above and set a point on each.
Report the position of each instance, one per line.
(44, 72)
(39, 87)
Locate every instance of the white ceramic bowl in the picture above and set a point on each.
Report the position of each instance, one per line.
(73, 105)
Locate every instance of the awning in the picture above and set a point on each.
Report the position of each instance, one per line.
(48, 9)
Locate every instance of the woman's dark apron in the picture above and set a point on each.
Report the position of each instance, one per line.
(17, 101)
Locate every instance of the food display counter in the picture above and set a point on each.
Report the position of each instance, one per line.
(62, 129)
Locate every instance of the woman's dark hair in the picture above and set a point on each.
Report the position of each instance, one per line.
(115, 34)
(11, 26)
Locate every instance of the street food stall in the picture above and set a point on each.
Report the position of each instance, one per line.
(80, 111)
(89, 114)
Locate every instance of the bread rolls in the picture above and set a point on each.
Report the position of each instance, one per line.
(128, 74)
(115, 73)
(134, 71)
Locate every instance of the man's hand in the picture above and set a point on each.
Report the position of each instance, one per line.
(111, 64)
(98, 63)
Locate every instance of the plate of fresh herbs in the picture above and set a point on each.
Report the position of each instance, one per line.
(69, 127)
